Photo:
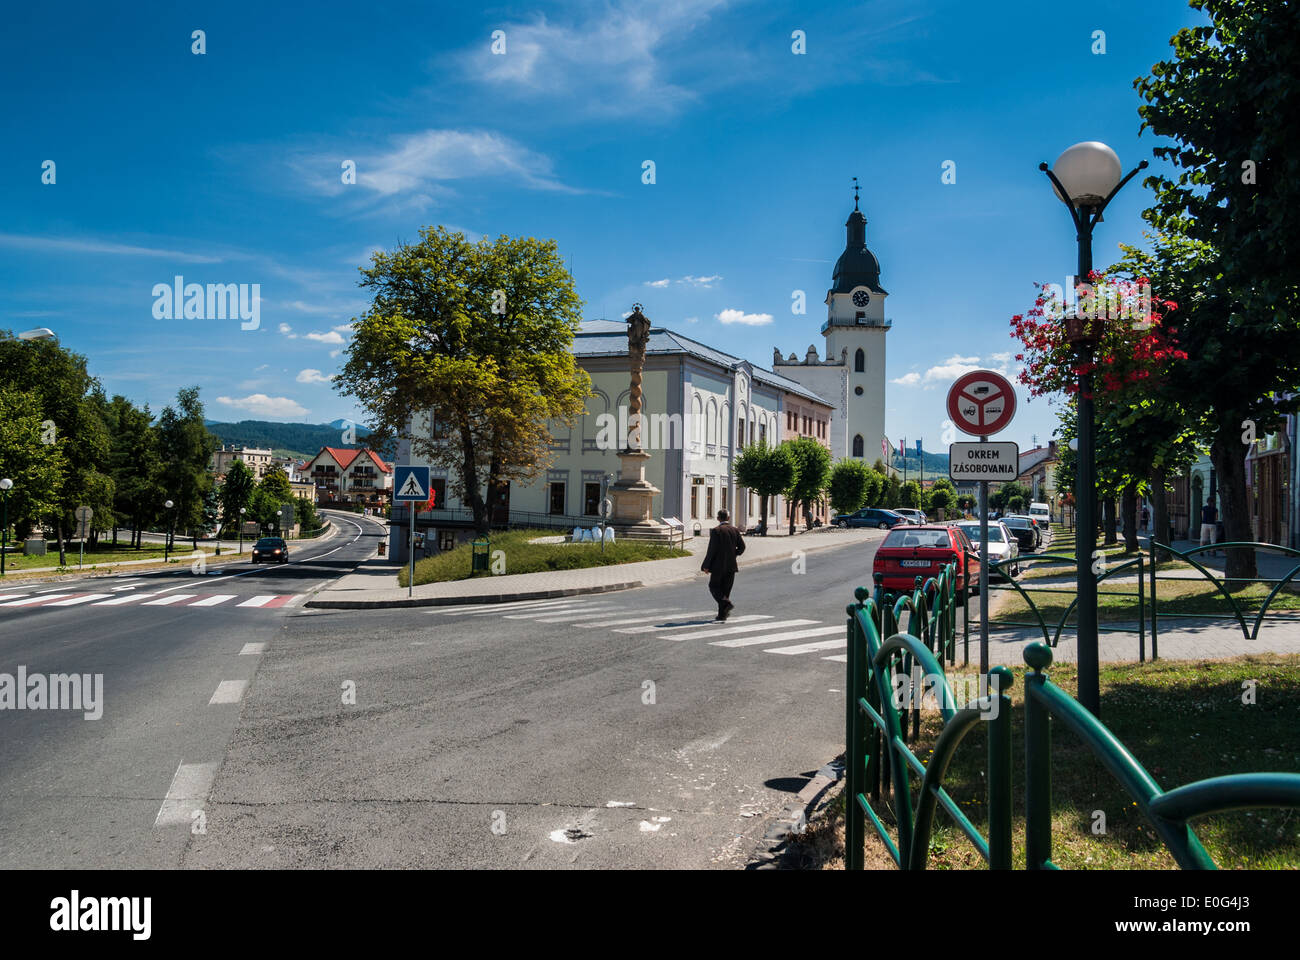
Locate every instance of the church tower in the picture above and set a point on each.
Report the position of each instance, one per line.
(855, 331)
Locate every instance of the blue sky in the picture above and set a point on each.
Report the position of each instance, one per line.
(225, 168)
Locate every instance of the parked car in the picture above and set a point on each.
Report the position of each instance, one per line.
(270, 550)
(1041, 512)
(871, 517)
(924, 551)
(913, 515)
(1002, 545)
(1026, 533)
(1040, 527)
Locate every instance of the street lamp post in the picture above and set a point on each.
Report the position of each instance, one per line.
(1086, 177)
(5, 485)
(242, 511)
(171, 523)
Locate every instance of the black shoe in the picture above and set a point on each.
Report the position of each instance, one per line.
(726, 610)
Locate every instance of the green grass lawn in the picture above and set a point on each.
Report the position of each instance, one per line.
(1183, 721)
(520, 556)
(101, 554)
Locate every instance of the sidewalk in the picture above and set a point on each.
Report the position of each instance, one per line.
(374, 584)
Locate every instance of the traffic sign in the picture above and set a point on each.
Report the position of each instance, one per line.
(981, 403)
(410, 484)
(83, 515)
(983, 461)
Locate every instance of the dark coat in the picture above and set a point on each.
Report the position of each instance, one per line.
(725, 544)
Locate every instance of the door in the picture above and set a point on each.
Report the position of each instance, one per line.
(499, 502)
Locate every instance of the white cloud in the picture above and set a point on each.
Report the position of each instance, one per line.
(335, 353)
(90, 245)
(287, 330)
(730, 316)
(311, 375)
(1000, 357)
(705, 282)
(952, 368)
(692, 319)
(330, 337)
(342, 328)
(657, 283)
(264, 406)
(908, 379)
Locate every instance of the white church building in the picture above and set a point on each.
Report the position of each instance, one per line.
(852, 373)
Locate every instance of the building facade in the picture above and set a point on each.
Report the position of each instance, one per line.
(346, 477)
(257, 460)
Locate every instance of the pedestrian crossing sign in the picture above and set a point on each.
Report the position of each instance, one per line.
(410, 484)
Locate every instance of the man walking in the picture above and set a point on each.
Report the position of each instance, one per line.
(725, 545)
(1209, 526)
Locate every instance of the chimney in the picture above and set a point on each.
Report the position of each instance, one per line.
(1051, 448)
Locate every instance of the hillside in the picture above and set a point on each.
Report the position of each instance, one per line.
(300, 440)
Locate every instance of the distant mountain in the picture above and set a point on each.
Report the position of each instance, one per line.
(936, 464)
(301, 440)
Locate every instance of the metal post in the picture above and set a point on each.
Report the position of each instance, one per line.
(4, 530)
(1085, 503)
(984, 573)
(410, 581)
(1038, 764)
(999, 759)
(167, 543)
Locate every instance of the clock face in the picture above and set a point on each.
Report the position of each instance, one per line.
(861, 298)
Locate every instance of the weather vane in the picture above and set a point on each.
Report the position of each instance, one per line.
(855, 193)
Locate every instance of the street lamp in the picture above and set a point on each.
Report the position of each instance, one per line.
(242, 511)
(171, 523)
(5, 485)
(1086, 178)
(40, 333)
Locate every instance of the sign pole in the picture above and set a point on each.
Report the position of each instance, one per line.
(984, 573)
(410, 540)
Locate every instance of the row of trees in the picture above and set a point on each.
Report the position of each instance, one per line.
(800, 470)
(65, 444)
(1217, 363)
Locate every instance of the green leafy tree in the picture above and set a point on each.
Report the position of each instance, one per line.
(850, 485)
(910, 494)
(943, 497)
(264, 510)
(306, 513)
(236, 491)
(276, 483)
(472, 341)
(812, 473)
(36, 467)
(135, 466)
(768, 471)
(186, 448)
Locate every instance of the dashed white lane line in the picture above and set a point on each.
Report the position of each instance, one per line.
(252, 649)
(165, 601)
(73, 601)
(747, 628)
(229, 691)
(213, 601)
(778, 637)
(188, 791)
(257, 601)
(812, 647)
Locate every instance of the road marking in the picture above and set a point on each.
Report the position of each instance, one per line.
(295, 600)
(229, 691)
(642, 617)
(776, 638)
(252, 649)
(492, 609)
(38, 598)
(842, 658)
(189, 789)
(129, 598)
(722, 631)
(259, 601)
(165, 601)
(680, 623)
(213, 601)
(812, 647)
(73, 601)
(11, 596)
(573, 613)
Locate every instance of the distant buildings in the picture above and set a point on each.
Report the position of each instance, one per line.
(257, 460)
(345, 477)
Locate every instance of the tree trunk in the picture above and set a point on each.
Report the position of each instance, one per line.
(1160, 513)
(762, 507)
(790, 508)
(1130, 517)
(1228, 456)
(58, 532)
(469, 478)
(1109, 521)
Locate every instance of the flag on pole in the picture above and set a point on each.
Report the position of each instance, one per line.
(884, 450)
(902, 448)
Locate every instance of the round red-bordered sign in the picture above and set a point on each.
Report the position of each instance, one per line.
(981, 403)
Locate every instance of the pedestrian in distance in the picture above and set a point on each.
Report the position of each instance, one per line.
(1209, 526)
(725, 544)
(1146, 518)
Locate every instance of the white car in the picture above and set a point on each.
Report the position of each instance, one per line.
(1002, 544)
(913, 515)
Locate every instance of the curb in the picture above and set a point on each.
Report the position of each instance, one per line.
(463, 601)
(794, 819)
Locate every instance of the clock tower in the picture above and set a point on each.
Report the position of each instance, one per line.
(855, 330)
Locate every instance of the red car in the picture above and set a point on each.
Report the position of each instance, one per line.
(909, 552)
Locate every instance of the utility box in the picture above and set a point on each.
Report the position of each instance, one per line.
(481, 556)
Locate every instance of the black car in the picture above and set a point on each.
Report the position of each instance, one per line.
(1025, 532)
(270, 550)
(871, 517)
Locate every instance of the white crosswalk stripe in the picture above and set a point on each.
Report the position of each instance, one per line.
(73, 601)
(39, 598)
(257, 601)
(842, 658)
(169, 600)
(812, 647)
(129, 598)
(679, 623)
(213, 601)
(570, 613)
(11, 596)
(722, 631)
(777, 637)
(643, 616)
(494, 608)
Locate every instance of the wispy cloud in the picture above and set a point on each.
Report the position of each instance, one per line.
(264, 406)
(90, 245)
(311, 375)
(330, 336)
(730, 316)
(658, 283)
(907, 379)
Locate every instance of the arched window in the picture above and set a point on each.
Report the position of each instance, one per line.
(857, 445)
(860, 361)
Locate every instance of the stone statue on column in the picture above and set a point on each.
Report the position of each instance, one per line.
(632, 493)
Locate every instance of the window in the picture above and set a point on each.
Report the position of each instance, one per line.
(860, 316)
(860, 361)
(695, 502)
(740, 432)
(762, 433)
(708, 500)
(591, 499)
(724, 498)
(446, 540)
(439, 493)
(857, 445)
(557, 497)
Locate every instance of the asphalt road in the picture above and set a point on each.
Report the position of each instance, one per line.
(78, 792)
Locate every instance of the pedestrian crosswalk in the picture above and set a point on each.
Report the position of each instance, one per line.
(265, 601)
(762, 631)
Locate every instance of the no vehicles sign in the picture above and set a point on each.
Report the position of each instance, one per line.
(983, 461)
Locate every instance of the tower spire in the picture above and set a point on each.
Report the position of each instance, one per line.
(855, 193)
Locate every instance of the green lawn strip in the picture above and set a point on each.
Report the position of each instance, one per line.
(99, 555)
(1183, 721)
(520, 556)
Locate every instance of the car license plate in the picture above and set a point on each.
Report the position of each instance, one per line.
(914, 563)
